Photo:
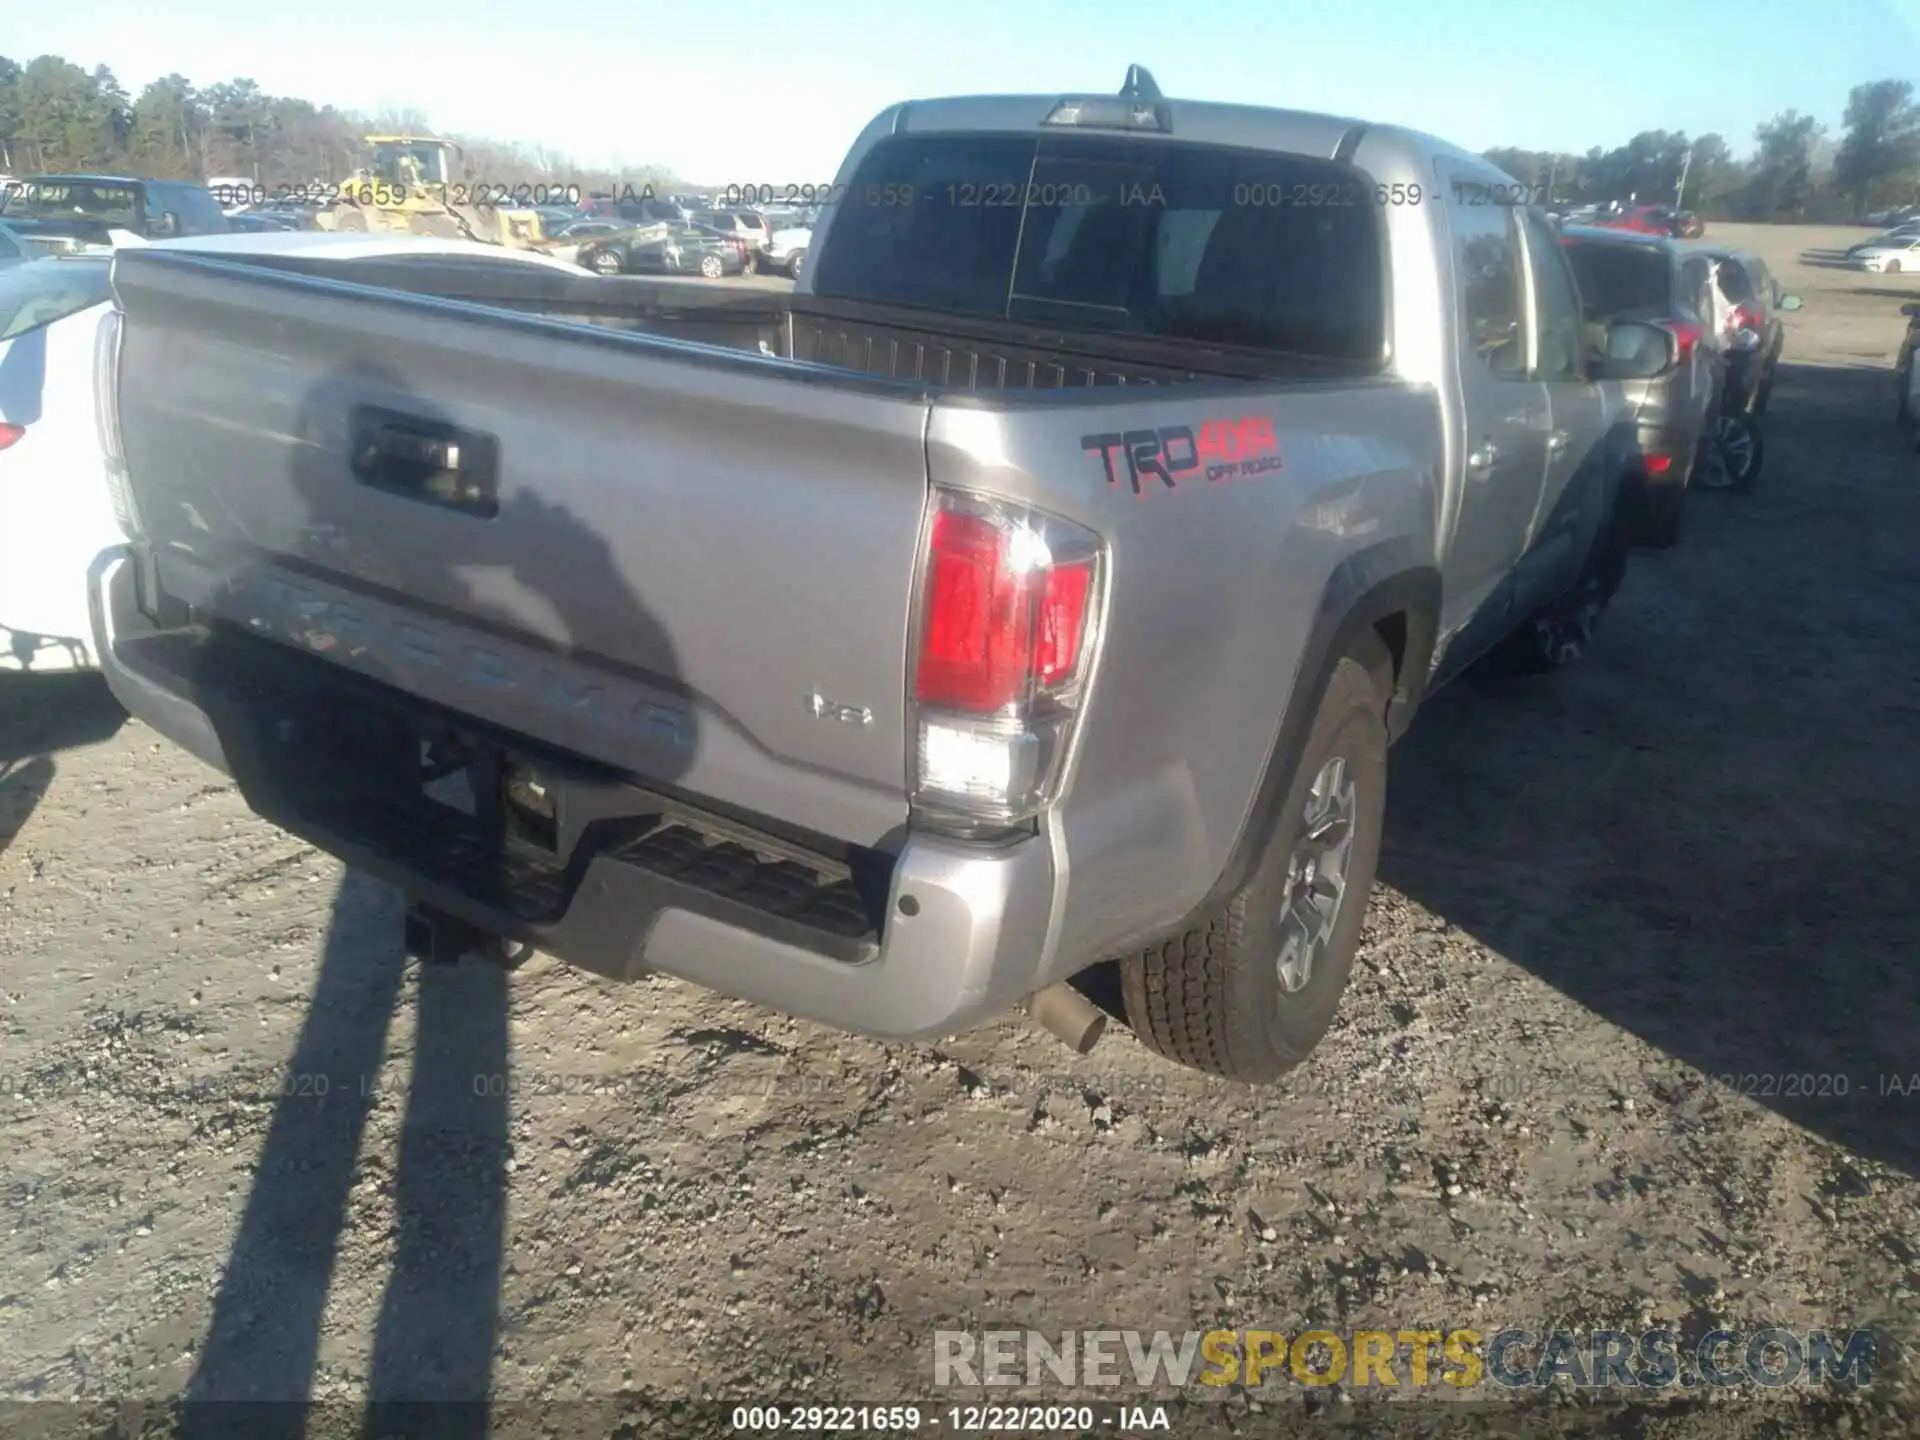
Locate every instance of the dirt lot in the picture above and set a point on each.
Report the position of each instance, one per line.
(1690, 858)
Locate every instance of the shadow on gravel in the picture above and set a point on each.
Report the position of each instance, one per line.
(41, 715)
(44, 714)
(1704, 835)
(352, 766)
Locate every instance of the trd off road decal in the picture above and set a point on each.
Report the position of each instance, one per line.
(1223, 450)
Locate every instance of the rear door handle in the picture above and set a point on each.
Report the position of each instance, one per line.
(1482, 461)
(1557, 441)
(425, 459)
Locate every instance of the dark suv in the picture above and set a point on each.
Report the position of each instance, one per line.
(63, 212)
(1627, 276)
(748, 225)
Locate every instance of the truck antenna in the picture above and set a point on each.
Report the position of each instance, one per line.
(1139, 84)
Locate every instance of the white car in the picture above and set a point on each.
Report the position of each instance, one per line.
(1907, 231)
(787, 249)
(1888, 255)
(55, 512)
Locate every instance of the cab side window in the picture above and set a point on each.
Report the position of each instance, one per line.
(1486, 260)
(154, 210)
(1556, 302)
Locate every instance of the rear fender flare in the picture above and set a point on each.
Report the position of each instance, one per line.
(1392, 587)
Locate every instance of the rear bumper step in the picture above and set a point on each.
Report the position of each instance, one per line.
(609, 875)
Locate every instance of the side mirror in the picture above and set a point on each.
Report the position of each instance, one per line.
(166, 226)
(1636, 350)
(1790, 302)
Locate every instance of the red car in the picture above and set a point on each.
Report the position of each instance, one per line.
(1641, 219)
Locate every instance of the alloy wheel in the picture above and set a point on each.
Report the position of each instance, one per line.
(1316, 880)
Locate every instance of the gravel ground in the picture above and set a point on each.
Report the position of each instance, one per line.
(249, 1153)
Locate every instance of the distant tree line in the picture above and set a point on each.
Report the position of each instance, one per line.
(1796, 173)
(57, 116)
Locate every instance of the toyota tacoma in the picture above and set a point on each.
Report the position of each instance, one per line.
(1039, 585)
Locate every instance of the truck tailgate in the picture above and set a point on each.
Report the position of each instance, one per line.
(651, 554)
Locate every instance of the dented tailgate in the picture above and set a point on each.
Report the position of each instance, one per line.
(692, 564)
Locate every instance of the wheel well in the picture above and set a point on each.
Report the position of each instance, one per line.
(1392, 633)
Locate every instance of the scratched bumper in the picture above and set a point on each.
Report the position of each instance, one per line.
(920, 943)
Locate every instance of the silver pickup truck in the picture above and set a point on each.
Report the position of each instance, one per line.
(1039, 585)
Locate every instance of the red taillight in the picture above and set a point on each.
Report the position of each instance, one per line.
(1746, 317)
(1009, 611)
(997, 621)
(1063, 621)
(9, 434)
(1656, 464)
(1687, 336)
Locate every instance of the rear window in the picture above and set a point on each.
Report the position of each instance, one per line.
(40, 292)
(1735, 283)
(1224, 247)
(1619, 280)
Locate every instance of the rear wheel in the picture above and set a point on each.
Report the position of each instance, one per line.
(1893, 267)
(604, 262)
(793, 266)
(1737, 444)
(1561, 631)
(1660, 517)
(1249, 990)
(711, 267)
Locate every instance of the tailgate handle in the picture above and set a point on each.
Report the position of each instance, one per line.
(427, 460)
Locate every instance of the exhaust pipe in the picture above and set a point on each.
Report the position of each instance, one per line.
(1069, 1017)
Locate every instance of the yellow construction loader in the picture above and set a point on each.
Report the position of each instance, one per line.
(408, 183)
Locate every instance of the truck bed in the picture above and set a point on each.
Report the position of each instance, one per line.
(929, 350)
(672, 558)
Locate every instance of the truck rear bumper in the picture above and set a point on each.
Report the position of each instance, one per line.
(919, 944)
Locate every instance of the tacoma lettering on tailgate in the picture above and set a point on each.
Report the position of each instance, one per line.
(368, 641)
(1223, 450)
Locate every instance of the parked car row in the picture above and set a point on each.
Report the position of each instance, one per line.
(1698, 422)
(672, 248)
(657, 237)
(1663, 220)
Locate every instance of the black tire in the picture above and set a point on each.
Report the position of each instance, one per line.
(1560, 632)
(602, 262)
(1893, 267)
(712, 267)
(1741, 452)
(1659, 516)
(795, 263)
(1212, 996)
(1764, 392)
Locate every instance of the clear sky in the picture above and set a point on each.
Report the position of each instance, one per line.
(745, 91)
